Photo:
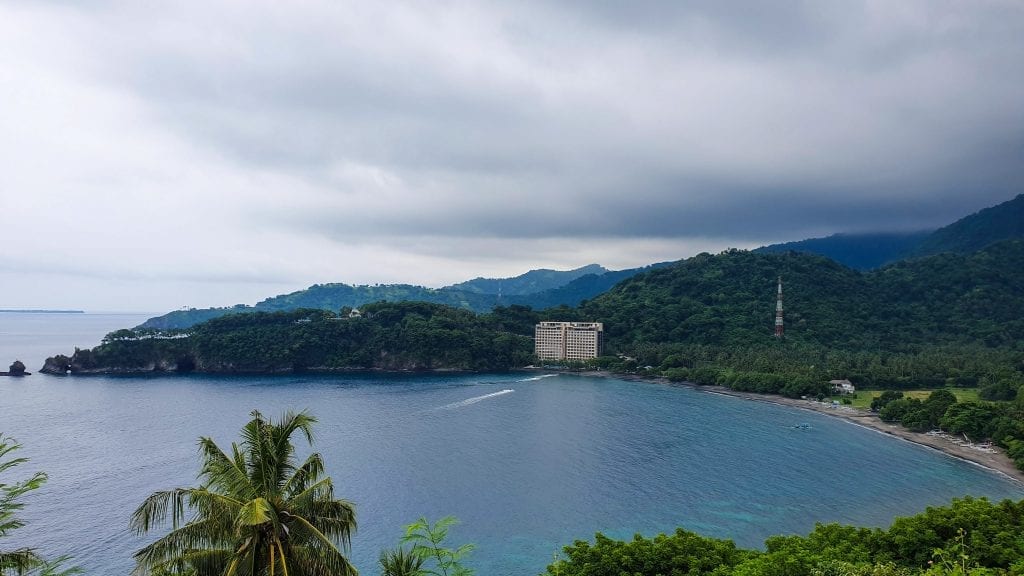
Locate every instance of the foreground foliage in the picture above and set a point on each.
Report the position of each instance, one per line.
(971, 536)
(21, 560)
(258, 511)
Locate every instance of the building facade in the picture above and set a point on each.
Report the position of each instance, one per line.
(568, 340)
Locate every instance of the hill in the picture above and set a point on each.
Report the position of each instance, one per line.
(335, 296)
(529, 283)
(728, 299)
(857, 251)
(390, 336)
(1001, 222)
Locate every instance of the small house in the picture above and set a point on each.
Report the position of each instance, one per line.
(842, 386)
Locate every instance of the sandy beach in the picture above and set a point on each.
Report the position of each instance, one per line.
(994, 459)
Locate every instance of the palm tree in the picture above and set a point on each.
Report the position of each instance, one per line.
(22, 560)
(399, 562)
(256, 513)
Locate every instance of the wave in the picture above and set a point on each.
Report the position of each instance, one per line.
(535, 378)
(469, 401)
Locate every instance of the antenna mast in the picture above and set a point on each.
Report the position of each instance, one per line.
(778, 312)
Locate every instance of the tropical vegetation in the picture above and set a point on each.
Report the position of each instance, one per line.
(259, 511)
(22, 560)
(972, 536)
(388, 336)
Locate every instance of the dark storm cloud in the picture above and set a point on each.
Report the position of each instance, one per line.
(653, 119)
(395, 129)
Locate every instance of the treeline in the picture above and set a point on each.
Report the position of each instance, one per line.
(388, 336)
(969, 537)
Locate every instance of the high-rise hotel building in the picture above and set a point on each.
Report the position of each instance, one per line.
(568, 340)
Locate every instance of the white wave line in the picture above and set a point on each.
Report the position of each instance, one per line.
(469, 401)
(535, 378)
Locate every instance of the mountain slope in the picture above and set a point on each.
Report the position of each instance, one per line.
(857, 251)
(335, 296)
(529, 283)
(729, 299)
(1001, 222)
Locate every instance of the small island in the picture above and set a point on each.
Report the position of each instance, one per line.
(16, 370)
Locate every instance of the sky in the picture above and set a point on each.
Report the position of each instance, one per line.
(159, 155)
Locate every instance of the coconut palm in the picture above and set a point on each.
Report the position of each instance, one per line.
(257, 513)
(22, 560)
(399, 562)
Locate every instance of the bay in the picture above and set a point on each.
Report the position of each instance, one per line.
(527, 472)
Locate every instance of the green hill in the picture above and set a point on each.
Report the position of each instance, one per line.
(857, 251)
(729, 299)
(1001, 222)
(531, 282)
(389, 336)
(335, 296)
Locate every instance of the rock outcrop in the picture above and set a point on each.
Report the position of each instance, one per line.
(17, 370)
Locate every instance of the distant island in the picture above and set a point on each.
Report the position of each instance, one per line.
(11, 311)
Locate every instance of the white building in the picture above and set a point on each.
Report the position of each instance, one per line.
(842, 386)
(568, 340)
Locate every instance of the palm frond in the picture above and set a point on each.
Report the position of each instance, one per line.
(155, 509)
(20, 561)
(256, 511)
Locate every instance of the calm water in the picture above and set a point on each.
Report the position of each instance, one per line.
(527, 471)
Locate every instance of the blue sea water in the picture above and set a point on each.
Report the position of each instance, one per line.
(526, 472)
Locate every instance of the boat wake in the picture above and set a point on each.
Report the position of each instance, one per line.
(535, 378)
(469, 401)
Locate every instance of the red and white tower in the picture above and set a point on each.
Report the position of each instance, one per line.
(778, 312)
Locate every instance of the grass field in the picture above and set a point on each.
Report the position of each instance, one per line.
(864, 397)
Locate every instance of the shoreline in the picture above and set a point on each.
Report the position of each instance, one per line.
(996, 461)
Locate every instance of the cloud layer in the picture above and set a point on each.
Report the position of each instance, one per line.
(228, 151)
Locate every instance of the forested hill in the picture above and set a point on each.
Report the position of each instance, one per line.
(389, 336)
(336, 296)
(1000, 222)
(729, 299)
(529, 283)
(724, 301)
(857, 251)
(869, 251)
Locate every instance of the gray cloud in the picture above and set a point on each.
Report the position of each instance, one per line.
(431, 142)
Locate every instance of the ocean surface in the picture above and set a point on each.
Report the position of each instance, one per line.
(528, 462)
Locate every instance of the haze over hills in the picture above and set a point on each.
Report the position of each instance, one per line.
(857, 251)
(542, 289)
(976, 231)
(567, 288)
(869, 251)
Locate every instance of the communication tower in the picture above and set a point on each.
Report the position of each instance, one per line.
(778, 312)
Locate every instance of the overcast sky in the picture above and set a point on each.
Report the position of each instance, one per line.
(160, 155)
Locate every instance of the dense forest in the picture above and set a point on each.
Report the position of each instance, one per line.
(969, 537)
(388, 336)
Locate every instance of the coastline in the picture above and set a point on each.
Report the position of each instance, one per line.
(996, 461)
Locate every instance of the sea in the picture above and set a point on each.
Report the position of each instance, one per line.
(528, 462)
